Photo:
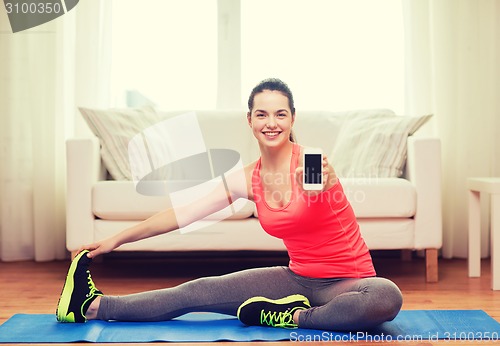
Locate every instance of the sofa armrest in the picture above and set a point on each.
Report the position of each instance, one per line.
(423, 169)
(84, 168)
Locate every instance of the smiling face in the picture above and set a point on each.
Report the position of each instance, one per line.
(271, 119)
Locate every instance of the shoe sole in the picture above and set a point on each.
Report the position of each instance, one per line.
(285, 300)
(67, 292)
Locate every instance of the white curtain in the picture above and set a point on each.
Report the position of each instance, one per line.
(453, 70)
(44, 71)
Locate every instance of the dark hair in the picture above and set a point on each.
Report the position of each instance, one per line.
(273, 84)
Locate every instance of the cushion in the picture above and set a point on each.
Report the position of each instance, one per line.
(374, 145)
(385, 234)
(119, 200)
(399, 197)
(115, 128)
(222, 236)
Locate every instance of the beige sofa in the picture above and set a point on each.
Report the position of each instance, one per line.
(402, 212)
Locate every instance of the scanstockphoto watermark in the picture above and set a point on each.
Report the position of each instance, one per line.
(352, 337)
(326, 336)
(172, 159)
(26, 14)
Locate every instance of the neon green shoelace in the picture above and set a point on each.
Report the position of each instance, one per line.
(92, 287)
(89, 295)
(282, 319)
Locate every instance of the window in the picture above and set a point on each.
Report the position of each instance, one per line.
(166, 50)
(334, 54)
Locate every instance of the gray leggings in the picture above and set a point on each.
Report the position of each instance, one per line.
(337, 304)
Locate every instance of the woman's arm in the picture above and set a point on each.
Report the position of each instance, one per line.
(235, 186)
(162, 222)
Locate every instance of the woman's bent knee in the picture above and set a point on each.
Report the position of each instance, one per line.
(391, 298)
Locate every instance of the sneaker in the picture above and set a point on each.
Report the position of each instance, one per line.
(79, 291)
(261, 311)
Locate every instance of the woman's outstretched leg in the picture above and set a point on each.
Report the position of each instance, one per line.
(337, 304)
(222, 294)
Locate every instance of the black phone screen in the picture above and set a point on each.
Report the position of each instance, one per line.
(312, 169)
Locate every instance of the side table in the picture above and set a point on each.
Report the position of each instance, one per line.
(491, 188)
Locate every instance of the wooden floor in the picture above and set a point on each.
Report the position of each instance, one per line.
(29, 287)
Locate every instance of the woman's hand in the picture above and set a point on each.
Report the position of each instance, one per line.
(99, 248)
(329, 176)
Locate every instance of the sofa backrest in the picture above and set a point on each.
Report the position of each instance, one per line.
(358, 142)
(229, 129)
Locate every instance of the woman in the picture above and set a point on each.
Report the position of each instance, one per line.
(330, 282)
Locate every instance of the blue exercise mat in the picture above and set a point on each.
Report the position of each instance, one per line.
(206, 327)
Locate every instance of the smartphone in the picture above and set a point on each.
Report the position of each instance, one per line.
(313, 169)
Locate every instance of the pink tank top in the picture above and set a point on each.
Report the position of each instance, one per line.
(320, 232)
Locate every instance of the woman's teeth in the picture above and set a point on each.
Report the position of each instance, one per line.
(271, 134)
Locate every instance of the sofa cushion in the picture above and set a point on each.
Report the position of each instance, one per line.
(381, 197)
(233, 235)
(115, 128)
(119, 200)
(385, 234)
(374, 145)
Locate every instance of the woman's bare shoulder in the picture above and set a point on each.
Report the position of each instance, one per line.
(249, 168)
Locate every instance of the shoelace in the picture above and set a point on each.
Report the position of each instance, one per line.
(282, 319)
(91, 284)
